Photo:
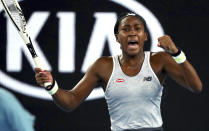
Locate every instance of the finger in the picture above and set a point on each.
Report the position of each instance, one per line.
(42, 80)
(37, 70)
(41, 84)
(43, 74)
(160, 45)
(44, 71)
(46, 76)
(40, 76)
(160, 38)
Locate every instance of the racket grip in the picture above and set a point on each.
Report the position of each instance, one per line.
(39, 65)
(37, 62)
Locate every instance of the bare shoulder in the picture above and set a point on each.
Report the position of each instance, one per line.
(102, 64)
(103, 67)
(104, 61)
(159, 60)
(160, 56)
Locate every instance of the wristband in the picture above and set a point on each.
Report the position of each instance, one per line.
(177, 53)
(180, 58)
(53, 88)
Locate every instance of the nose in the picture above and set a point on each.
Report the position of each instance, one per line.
(132, 32)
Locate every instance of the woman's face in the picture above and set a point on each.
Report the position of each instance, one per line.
(131, 35)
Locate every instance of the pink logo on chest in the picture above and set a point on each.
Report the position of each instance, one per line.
(119, 80)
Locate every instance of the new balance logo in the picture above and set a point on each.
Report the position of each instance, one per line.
(149, 78)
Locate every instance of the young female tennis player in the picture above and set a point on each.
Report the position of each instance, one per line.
(132, 81)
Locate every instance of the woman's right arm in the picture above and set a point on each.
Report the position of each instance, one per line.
(70, 99)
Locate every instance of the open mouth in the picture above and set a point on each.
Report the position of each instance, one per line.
(133, 43)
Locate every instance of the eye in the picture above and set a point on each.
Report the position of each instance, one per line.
(125, 29)
(138, 28)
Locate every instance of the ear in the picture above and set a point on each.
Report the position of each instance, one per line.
(116, 37)
(146, 36)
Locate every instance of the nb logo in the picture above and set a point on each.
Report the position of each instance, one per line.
(149, 78)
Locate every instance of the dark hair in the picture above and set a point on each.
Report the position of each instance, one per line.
(124, 15)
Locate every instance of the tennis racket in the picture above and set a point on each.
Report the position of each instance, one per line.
(15, 14)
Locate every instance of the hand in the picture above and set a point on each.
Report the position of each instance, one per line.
(43, 76)
(167, 44)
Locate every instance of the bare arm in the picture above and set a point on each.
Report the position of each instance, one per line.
(183, 73)
(70, 99)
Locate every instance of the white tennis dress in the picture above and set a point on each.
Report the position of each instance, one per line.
(134, 101)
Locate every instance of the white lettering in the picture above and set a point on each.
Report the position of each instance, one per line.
(15, 45)
(102, 32)
(66, 53)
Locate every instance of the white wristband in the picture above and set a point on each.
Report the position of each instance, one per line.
(181, 58)
(53, 89)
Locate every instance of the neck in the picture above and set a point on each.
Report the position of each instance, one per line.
(130, 60)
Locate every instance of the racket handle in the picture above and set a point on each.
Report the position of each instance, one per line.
(37, 62)
(38, 65)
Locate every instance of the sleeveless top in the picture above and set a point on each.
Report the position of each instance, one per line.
(134, 101)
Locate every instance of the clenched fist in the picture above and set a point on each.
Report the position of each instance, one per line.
(167, 44)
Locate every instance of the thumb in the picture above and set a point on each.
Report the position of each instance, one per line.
(37, 70)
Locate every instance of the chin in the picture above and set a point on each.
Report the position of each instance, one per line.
(133, 53)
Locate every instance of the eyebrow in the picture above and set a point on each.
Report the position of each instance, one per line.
(129, 25)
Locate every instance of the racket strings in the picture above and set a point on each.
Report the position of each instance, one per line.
(16, 13)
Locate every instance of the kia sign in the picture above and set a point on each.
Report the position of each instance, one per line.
(68, 40)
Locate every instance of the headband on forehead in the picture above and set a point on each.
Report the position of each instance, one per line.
(124, 15)
(130, 14)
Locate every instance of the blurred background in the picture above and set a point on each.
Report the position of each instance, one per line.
(70, 34)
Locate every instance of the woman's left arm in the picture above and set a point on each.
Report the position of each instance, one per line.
(178, 68)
